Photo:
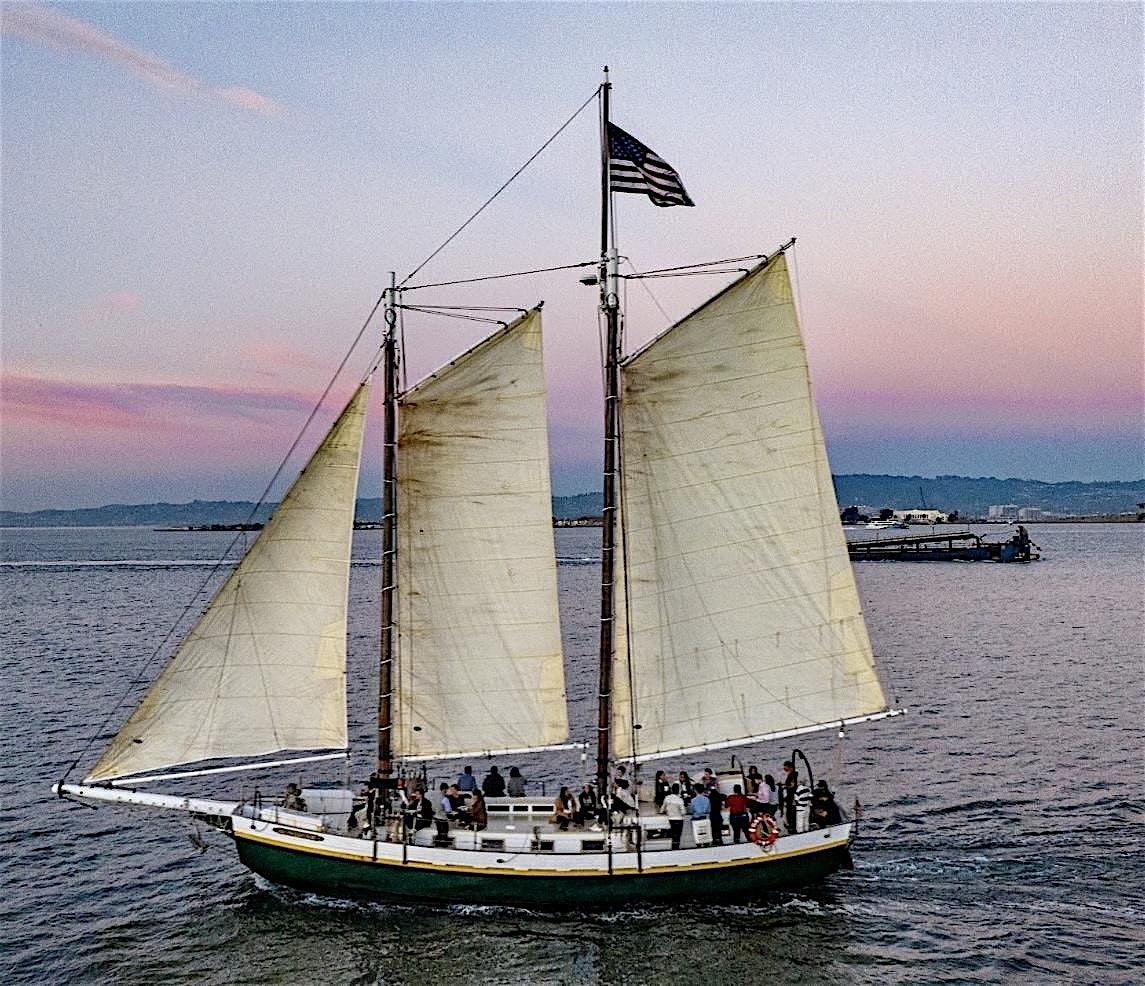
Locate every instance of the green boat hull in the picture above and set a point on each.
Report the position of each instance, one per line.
(364, 879)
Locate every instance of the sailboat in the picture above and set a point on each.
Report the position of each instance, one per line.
(729, 616)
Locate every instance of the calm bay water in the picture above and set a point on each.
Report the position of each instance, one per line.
(1003, 837)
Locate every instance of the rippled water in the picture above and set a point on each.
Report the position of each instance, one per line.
(1003, 837)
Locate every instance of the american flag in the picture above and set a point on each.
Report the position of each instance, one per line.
(632, 167)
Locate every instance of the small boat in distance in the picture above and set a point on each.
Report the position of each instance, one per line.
(729, 616)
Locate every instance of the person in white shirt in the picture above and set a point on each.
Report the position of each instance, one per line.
(674, 808)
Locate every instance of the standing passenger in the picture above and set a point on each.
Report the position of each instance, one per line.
(716, 814)
(737, 813)
(771, 791)
(674, 809)
(787, 786)
(661, 789)
(686, 785)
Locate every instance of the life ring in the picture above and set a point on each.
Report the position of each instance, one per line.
(764, 830)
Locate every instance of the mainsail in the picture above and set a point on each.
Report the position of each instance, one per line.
(480, 665)
(742, 614)
(264, 667)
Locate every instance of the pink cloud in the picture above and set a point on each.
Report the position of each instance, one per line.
(31, 22)
(281, 356)
(148, 406)
(116, 301)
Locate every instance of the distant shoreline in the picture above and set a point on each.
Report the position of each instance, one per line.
(1066, 502)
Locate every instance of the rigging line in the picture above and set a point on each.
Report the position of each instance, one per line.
(467, 318)
(489, 200)
(710, 263)
(467, 308)
(636, 275)
(687, 273)
(218, 565)
(497, 277)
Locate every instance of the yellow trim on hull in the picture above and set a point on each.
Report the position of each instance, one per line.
(505, 871)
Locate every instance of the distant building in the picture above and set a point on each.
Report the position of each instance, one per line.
(1031, 513)
(918, 516)
(1004, 511)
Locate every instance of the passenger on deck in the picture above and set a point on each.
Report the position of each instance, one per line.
(709, 779)
(494, 783)
(675, 810)
(686, 786)
(467, 783)
(754, 782)
(802, 808)
(623, 799)
(374, 797)
(478, 815)
(564, 805)
(770, 792)
(516, 783)
(661, 789)
(824, 810)
(716, 814)
(444, 815)
(787, 785)
(293, 799)
(738, 814)
(418, 812)
(589, 809)
(425, 811)
(701, 806)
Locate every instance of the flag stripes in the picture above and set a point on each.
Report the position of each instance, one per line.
(635, 168)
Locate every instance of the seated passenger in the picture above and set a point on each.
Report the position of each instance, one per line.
(467, 783)
(824, 810)
(494, 784)
(293, 798)
(563, 808)
(516, 783)
(589, 811)
(478, 815)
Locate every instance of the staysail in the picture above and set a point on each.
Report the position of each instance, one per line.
(480, 665)
(742, 613)
(264, 667)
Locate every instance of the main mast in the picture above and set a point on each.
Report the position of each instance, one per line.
(389, 533)
(610, 305)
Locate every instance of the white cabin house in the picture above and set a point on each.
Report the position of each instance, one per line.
(920, 516)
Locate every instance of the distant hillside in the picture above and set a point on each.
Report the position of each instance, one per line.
(970, 497)
(199, 513)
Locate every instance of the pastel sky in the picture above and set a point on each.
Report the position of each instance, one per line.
(201, 202)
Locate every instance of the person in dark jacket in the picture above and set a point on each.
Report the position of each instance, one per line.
(494, 784)
(824, 810)
(716, 814)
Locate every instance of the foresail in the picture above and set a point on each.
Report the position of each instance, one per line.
(742, 614)
(480, 665)
(264, 668)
